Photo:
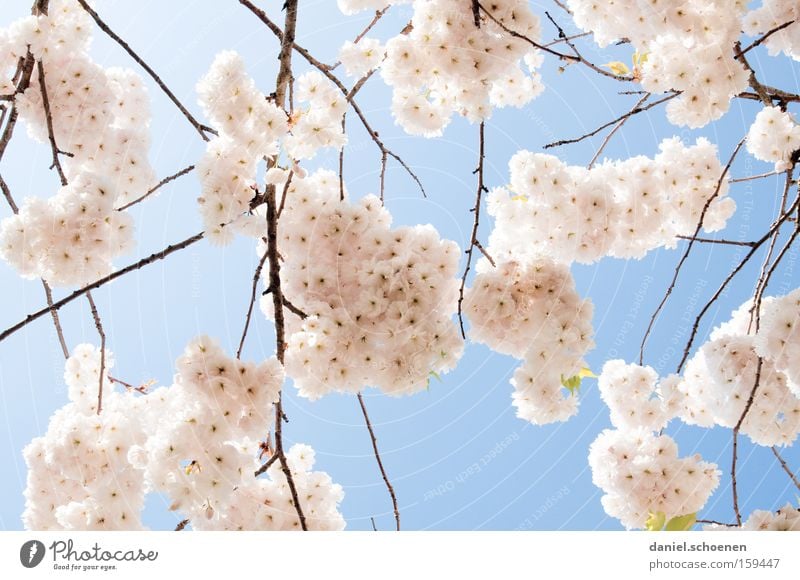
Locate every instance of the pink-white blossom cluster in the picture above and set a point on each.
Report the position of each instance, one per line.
(196, 442)
(533, 312)
(774, 137)
(770, 15)
(447, 65)
(688, 44)
(786, 519)
(641, 473)
(252, 127)
(721, 377)
(380, 301)
(618, 208)
(360, 58)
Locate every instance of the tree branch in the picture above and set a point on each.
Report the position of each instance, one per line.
(380, 462)
(199, 127)
(99, 325)
(785, 467)
(158, 186)
(736, 441)
(475, 223)
(685, 256)
(160, 255)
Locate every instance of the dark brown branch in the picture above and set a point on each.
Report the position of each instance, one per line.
(765, 36)
(736, 440)
(485, 253)
(49, 120)
(721, 242)
(7, 195)
(476, 210)
(325, 70)
(631, 113)
(717, 523)
(180, 527)
(25, 72)
(543, 47)
(785, 467)
(380, 462)
(199, 127)
(56, 319)
(616, 128)
(267, 465)
(476, 13)
(579, 57)
(736, 270)
(253, 292)
(378, 15)
(158, 186)
(688, 250)
(281, 83)
(99, 325)
(160, 255)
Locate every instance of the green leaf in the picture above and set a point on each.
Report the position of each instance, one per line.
(573, 384)
(432, 374)
(655, 523)
(618, 68)
(681, 523)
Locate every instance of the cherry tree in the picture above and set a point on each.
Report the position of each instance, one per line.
(356, 302)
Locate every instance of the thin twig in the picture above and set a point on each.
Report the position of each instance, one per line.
(267, 465)
(253, 292)
(99, 325)
(475, 223)
(731, 276)
(736, 429)
(325, 70)
(7, 194)
(49, 121)
(712, 241)
(785, 467)
(717, 523)
(199, 127)
(380, 462)
(616, 128)
(158, 186)
(752, 177)
(688, 250)
(530, 41)
(631, 113)
(180, 527)
(56, 320)
(765, 36)
(160, 255)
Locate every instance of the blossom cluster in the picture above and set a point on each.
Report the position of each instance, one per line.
(446, 65)
(618, 208)
(773, 137)
(196, 441)
(379, 300)
(533, 312)
(100, 118)
(642, 474)
(786, 519)
(769, 16)
(79, 476)
(252, 127)
(720, 378)
(688, 47)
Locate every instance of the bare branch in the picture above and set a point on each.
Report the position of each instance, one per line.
(722, 242)
(765, 36)
(158, 186)
(785, 467)
(543, 47)
(736, 440)
(616, 128)
(685, 256)
(180, 527)
(253, 292)
(160, 255)
(99, 325)
(199, 127)
(49, 120)
(325, 70)
(475, 223)
(631, 113)
(380, 462)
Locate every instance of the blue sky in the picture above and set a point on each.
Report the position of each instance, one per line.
(527, 477)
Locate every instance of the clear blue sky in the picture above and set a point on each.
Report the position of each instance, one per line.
(539, 478)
